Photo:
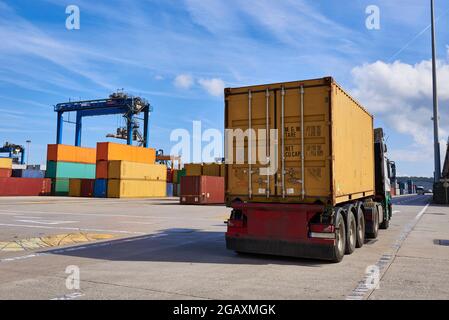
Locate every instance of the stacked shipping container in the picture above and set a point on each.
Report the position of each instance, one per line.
(69, 162)
(128, 172)
(20, 186)
(203, 184)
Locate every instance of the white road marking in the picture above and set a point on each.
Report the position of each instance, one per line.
(361, 291)
(69, 228)
(46, 222)
(395, 211)
(70, 296)
(103, 215)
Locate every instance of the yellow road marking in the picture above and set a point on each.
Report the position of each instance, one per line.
(51, 241)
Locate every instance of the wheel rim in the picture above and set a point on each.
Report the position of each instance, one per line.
(361, 228)
(340, 240)
(352, 233)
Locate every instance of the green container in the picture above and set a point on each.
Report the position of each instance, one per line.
(60, 187)
(178, 174)
(68, 170)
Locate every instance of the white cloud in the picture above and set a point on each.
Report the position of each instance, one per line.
(213, 86)
(184, 81)
(401, 95)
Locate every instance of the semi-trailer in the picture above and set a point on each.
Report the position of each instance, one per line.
(309, 177)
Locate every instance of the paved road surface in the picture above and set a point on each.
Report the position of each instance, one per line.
(156, 249)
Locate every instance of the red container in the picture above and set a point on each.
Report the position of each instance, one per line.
(87, 187)
(101, 169)
(5, 173)
(24, 187)
(169, 175)
(202, 190)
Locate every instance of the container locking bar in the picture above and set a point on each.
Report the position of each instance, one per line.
(283, 139)
(250, 145)
(303, 178)
(267, 142)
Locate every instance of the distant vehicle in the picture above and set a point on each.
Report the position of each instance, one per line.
(420, 190)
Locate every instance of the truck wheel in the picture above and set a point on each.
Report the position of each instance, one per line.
(351, 233)
(374, 230)
(385, 224)
(360, 229)
(340, 239)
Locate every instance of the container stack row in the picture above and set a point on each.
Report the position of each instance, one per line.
(128, 172)
(21, 186)
(68, 167)
(203, 183)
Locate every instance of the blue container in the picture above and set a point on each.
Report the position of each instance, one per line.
(28, 173)
(170, 190)
(101, 188)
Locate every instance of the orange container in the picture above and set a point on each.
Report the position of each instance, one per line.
(108, 151)
(101, 170)
(65, 153)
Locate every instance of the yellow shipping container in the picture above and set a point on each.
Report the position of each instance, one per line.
(193, 169)
(75, 188)
(325, 147)
(114, 151)
(136, 171)
(211, 169)
(5, 163)
(136, 189)
(65, 153)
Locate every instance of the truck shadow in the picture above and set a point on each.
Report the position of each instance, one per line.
(176, 245)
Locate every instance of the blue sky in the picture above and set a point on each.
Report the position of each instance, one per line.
(179, 55)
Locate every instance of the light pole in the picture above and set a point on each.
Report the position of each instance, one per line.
(28, 151)
(437, 174)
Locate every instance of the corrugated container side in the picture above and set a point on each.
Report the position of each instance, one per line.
(101, 170)
(170, 190)
(202, 190)
(24, 187)
(114, 151)
(74, 187)
(87, 187)
(127, 170)
(5, 173)
(60, 187)
(66, 153)
(136, 188)
(5, 163)
(70, 170)
(211, 169)
(334, 131)
(100, 188)
(352, 147)
(169, 175)
(193, 169)
(177, 174)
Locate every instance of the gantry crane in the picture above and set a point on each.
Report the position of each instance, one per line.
(14, 151)
(117, 103)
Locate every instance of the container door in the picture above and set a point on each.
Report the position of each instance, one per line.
(253, 115)
(304, 124)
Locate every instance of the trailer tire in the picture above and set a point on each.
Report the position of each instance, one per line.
(360, 228)
(374, 229)
(385, 225)
(340, 238)
(351, 233)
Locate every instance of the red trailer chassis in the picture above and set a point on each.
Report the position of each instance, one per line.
(280, 229)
